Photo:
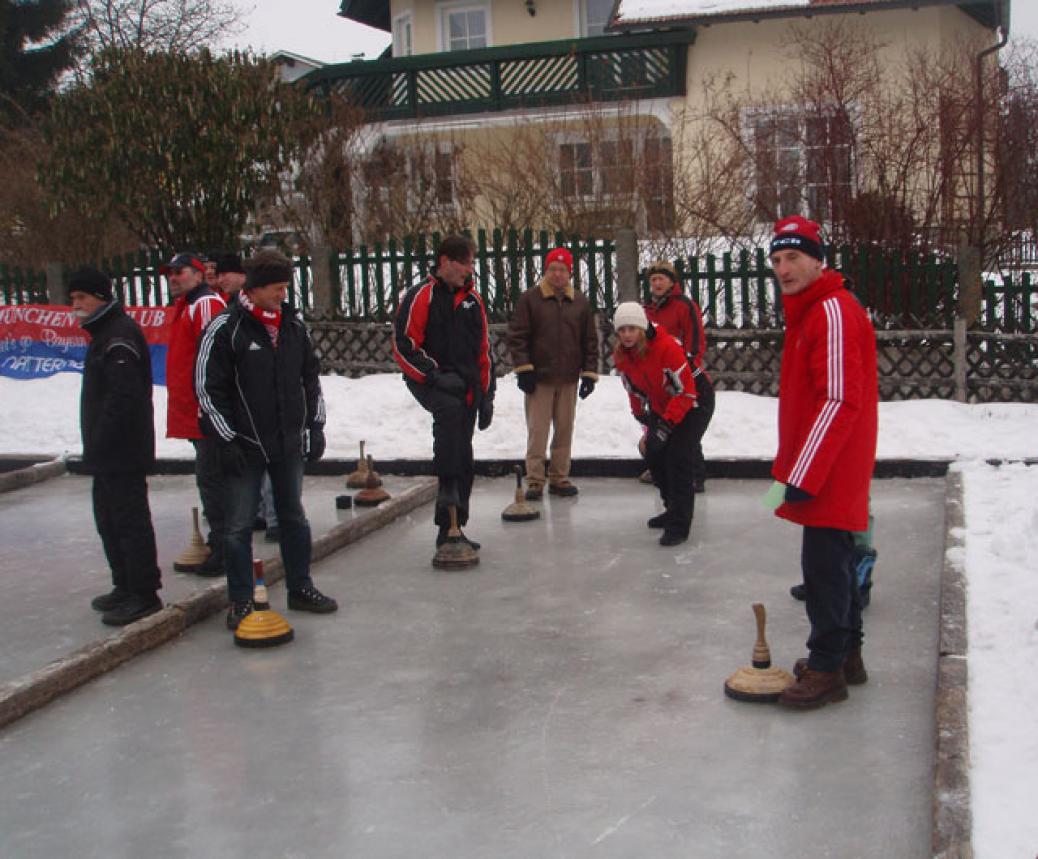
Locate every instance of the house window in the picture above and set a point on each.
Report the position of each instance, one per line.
(632, 174)
(403, 35)
(617, 159)
(594, 15)
(658, 187)
(802, 164)
(576, 170)
(446, 173)
(464, 26)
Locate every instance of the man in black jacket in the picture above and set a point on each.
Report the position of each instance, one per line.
(258, 384)
(442, 345)
(117, 423)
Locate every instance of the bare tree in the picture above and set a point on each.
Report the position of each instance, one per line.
(158, 24)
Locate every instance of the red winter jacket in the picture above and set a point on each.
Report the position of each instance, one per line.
(192, 312)
(828, 393)
(680, 315)
(437, 328)
(661, 382)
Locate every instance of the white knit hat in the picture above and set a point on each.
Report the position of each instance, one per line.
(630, 313)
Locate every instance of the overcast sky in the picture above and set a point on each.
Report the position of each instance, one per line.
(312, 28)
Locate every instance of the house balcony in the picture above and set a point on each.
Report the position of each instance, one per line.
(513, 77)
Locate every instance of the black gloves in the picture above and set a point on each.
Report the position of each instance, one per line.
(317, 444)
(794, 494)
(587, 387)
(448, 382)
(656, 439)
(233, 457)
(526, 380)
(486, 412)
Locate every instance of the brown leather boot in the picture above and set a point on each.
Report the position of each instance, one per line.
(814, 689)
(853, 668)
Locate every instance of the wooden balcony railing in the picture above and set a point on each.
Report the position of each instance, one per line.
(606, 68)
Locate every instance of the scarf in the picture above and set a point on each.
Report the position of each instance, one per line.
(269, 319)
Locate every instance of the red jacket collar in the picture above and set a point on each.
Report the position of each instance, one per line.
(795, 306)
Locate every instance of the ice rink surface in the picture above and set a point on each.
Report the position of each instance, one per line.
(562, 699)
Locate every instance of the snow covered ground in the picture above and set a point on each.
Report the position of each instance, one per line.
(1002, 617)
(41, 417)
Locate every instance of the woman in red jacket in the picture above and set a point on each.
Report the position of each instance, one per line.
(662, 391)
(680, 315)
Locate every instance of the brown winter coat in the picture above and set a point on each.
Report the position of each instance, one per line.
(553, 336)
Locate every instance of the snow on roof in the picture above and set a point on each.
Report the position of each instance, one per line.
(629, 11)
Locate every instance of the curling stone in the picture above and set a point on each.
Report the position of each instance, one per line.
(343, 502)
(262, 627)
(520, 510)
(758, 682)
(197, 551)
(455, 553)
(358, 478)
(372, 494)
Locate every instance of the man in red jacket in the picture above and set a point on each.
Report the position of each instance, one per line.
(194, 306)
(442, 344)
(828, 394)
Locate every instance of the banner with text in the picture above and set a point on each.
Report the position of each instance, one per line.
(39, 340)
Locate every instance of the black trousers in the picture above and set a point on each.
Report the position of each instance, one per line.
(833, 599)
(123, 520)
(210, 481)
(453, 425)
(705, 409)
(672, 471)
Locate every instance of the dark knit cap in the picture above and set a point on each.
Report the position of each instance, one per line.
(798, 234)
(92, 282)
(267, 267)
(229, 264)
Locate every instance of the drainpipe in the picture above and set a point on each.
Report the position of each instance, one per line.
(981, 190)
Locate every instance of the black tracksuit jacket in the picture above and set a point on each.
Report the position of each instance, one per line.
(116, 416)
(265, 397)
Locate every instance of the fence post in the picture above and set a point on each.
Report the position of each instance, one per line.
(969, 283)
(321, 281)
(56, 283)
(968, 312)
(627, 266)
(959, 358)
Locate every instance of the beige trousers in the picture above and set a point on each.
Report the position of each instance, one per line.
(549, 404)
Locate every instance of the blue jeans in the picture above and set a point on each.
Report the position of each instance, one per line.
(242, 502)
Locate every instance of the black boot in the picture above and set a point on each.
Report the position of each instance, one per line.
(106, 602)
(134, 608)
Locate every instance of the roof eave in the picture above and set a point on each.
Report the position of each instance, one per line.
(374, 13)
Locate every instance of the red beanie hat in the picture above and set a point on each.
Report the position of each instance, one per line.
(560, 255)
(798, 234)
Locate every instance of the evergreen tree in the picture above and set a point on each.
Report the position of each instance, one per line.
(36, 47)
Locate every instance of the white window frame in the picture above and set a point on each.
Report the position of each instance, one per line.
(800, 113)
(444, 9)
(400, 22)
(580, 17)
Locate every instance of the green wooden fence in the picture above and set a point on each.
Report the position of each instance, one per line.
(372, 278)
(735, 290)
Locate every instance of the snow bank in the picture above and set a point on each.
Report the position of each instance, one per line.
(1002, 619)
(42, 417)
